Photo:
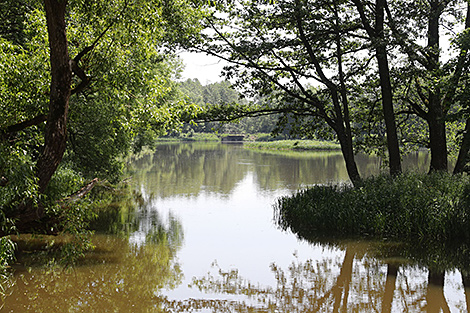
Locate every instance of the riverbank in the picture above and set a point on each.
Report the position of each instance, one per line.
(411, 207)
(296, 145)
(261, 142)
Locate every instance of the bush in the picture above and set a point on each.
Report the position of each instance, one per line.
(420, 207)
(64, 182)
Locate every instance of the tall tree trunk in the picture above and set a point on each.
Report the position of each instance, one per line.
(341, 122)
(348, 155)
(436, 113)
(437, 140)
(341, 126)
(389, 115)
(341, 103)
(56, 128)
(28, 215)
(464, 149)
(387, 94)
(377, 37)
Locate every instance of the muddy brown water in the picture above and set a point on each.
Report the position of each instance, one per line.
(203, 239)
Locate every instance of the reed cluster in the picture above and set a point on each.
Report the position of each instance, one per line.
(422, 207)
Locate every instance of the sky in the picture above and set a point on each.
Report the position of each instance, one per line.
(201, 66)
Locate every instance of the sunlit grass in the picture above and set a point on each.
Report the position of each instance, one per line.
(298, 145)
(190, 137)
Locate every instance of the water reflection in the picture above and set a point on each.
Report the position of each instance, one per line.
(231, 257)
(124, 273)
(189, 169)
(352, 280)
(116, 278)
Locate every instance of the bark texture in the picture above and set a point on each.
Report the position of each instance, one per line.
(464, 149)
(29, 215)
(386, 89)
(61, 73)
(436, 114)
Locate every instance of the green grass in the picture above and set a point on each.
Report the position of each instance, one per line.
(431, 208)
(192, 137)
(261, 142)
(298, 145)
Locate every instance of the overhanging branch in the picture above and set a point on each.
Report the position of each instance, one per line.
(22, 125)
(77, 70)
(255, 113)
(252, 64)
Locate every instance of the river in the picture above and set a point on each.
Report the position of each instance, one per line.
(202, 238)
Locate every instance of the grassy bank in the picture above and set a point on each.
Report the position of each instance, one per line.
(411, 207)
(259, 141)
(298, 145)
(191, 137)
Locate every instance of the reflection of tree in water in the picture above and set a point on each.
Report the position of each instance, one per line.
(189, 169)
(152, 227)
(355, 282)
(118, 276)
(134, 217)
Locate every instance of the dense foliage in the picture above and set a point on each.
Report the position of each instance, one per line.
(82, 83)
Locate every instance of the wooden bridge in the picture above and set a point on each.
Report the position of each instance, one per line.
(233, 138)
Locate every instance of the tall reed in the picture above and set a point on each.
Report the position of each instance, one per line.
(433, 207)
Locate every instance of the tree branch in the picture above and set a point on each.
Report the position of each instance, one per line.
(458, 72)
(312, 56)
(252, 64)
(77, 70)
(369, 29)
(22, 125)
(82, 192)
(255, 113)
(410, 48)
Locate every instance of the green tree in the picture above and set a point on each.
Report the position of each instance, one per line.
(281, 49)
(331, 62)
(432, 77)
(375, 29)
(220, 94)
(110, 77)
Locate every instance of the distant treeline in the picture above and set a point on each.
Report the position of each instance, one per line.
(223, 93)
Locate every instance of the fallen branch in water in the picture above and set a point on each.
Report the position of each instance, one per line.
(81, 193)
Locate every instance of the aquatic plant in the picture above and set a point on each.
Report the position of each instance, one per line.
(7, 250)
(412, 206)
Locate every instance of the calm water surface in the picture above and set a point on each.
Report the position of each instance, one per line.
(201, 238)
